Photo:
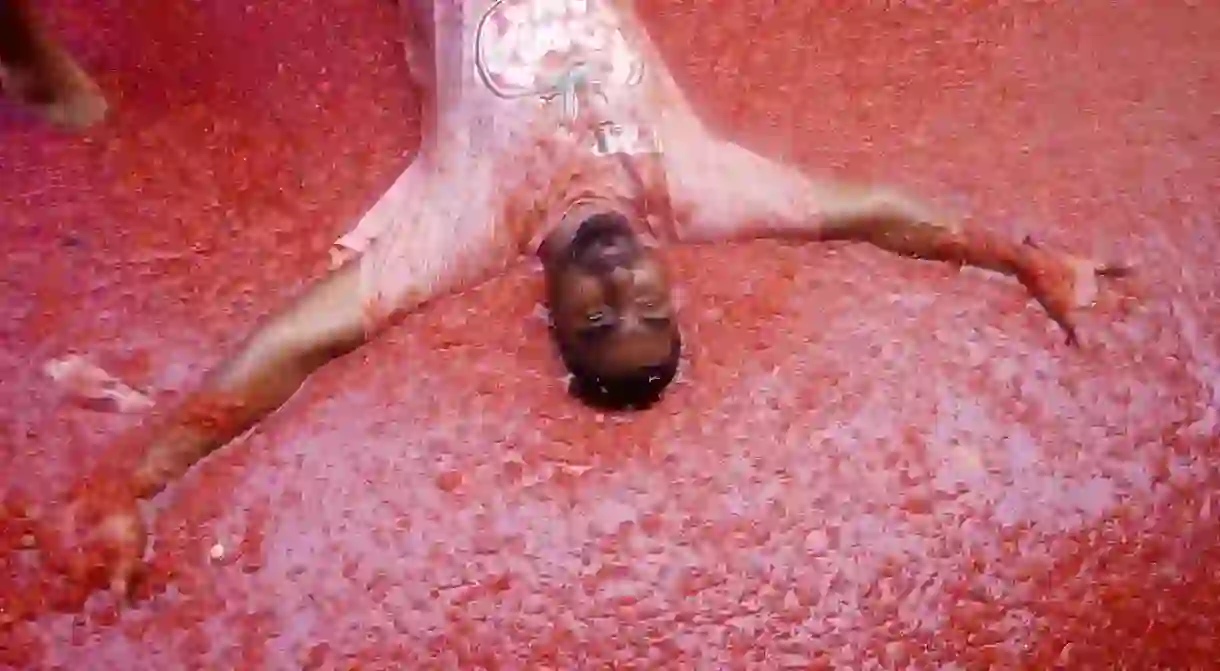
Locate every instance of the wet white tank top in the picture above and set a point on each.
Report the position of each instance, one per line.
(531, 108)
(556, 93)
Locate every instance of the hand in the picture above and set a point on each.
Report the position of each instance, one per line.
(99, 539)
(1064, 282)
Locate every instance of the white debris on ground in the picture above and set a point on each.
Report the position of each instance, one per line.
(86, 382)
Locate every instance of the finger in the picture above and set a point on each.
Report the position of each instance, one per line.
(1060, 315)
(121, 583)
(1114, 270)
(1070, 337)
(120, 587)
(126, 576)
(126, 540)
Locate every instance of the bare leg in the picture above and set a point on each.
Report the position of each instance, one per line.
(38, 73)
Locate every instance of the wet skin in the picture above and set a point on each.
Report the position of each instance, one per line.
(607, 289)
(609, 296)
(37, 73)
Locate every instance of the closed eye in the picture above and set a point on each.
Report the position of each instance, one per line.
(596, 332)
(598, 317)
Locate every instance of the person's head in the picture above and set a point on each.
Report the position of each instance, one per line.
(611, 315)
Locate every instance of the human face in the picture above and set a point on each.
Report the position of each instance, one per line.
(610, 299)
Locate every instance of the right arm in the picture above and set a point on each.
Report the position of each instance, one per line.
(431, 247)
(322, 324)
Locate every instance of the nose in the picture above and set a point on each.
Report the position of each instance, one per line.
(623, 277)
(629, 318)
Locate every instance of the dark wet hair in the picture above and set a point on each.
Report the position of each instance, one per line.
(636, 389)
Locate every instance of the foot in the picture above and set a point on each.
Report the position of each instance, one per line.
(56, 89)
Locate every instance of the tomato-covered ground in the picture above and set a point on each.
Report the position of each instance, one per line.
(868, 462)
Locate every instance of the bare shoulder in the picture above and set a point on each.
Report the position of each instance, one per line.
(721, 189)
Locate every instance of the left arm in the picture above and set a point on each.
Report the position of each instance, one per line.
(724, 191)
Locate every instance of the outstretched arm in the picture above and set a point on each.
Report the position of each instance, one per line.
(725, 191)
(101, 517)
(322, 324)
(430, 243)
(429, 247)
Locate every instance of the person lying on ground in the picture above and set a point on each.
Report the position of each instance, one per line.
(553, 129)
